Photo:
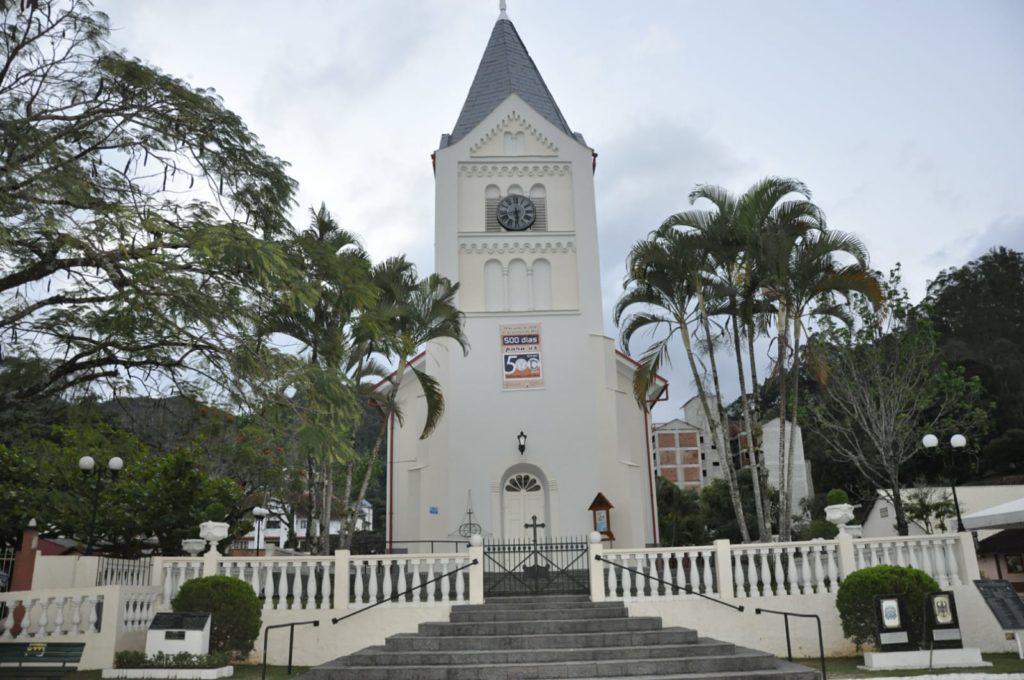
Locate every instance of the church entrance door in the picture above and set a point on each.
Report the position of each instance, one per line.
(523, 498)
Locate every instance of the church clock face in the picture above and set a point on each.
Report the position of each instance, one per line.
(516, 213)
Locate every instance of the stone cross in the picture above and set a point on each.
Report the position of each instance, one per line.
(534, 526)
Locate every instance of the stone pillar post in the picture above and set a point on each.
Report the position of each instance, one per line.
(595, 549)
(723, 570)
(844, 555)
(476, 571)
(969, 571)
(341, 579)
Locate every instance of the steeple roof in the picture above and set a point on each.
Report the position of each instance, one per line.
(506, 67)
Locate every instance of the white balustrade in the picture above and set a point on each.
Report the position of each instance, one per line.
(936, 555)
(656, 574)
(407, 580)
(301, 582)
(44, 615)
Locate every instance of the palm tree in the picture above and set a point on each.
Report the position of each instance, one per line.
(665, 280)
(415, 313)
(815, 279)
(340, 268)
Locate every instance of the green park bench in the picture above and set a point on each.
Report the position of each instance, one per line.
(39, 659)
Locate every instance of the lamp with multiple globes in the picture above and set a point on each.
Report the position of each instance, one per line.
(957, 441)
(87, 464)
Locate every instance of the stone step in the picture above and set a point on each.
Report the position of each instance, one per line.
(425, 643)
(538, 604)
(745, 661)
(783, 670)
(532, 600)
(382, 656)
(555, 614)
(540, 627)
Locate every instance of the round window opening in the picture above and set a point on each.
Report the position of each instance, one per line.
(522, 483)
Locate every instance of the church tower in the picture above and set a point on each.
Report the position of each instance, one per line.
(516, 226)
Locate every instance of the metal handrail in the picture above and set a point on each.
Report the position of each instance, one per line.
(291, 641)
(686, 589)
(403, 594)
(789, 648)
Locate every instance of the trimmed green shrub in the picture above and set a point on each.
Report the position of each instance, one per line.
(856, 600)
(133, 659)
(234, 608)
(836, 497)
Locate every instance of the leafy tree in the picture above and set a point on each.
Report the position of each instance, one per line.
(138, 216)
(665, 293)
(163, 497)
(885, 385)
(716, 505)
(930, 509)
(978, 312)
(680, 516)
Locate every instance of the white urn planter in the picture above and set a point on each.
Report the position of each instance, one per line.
(839, 514)
(193, 546)
(214, 532)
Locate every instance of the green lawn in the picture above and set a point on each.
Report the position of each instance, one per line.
(241, 672)
(847, 668)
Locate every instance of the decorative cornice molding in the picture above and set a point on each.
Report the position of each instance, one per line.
(515, 169)
(517, 247)
(507, 122)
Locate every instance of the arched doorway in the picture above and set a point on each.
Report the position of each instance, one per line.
(523, 496)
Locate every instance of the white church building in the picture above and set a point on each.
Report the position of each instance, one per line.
(516, 226)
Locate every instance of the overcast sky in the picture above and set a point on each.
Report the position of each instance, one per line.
(906, 119)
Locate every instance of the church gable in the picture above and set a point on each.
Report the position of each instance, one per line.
(513, 135)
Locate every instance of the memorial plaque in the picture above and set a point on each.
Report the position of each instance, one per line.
(1004, 602)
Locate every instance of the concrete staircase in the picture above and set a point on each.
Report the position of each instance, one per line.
(554, 637)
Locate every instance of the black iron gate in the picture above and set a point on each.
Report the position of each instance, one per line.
(533, 567)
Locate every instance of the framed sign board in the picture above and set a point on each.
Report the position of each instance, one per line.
(1004, 602)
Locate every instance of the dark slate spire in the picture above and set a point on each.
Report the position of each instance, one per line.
(506, 67)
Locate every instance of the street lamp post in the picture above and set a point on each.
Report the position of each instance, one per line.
(87, 464)
(957, 441)
(259, 513)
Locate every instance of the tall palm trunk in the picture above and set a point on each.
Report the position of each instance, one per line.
(364, 485)
(756, 395)
(748, 424)
(325, 517)
(792, 429)
(719, 428)
(783, 325)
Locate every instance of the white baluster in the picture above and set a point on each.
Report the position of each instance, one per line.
(373, 566)
(693, 575)
(58, 626)
(833, 568)
(708, 579)
(265, 583)
(954, 565)
(326, 583)
(792, 583)
(805, 571)
(818, 555)
(44, 617)
(778, 577)
(753, 556)
(737, 573)
(460, 584)
(941, 564)
(416, 594)
(387, 584)
(627, 579)
(8, 634)
(446, 583)
(93, 618)
(432, 588)
(664, 589)
(611, 579)
(76, 614)
(926, 559)
(649, 569)
(357, 587)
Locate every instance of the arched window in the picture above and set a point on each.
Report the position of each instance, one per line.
(492, 194)
(541, 284)
(522, 482)
(515, 189)
(494, 287)
(539, 196)
(518, 287)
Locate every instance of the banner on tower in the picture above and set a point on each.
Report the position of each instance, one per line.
(521, 364)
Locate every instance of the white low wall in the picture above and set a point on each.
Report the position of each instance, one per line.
(317, 645)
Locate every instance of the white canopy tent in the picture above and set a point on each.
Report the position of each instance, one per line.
(1009, 515)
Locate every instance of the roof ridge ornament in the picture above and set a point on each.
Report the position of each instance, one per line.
(502, 7)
